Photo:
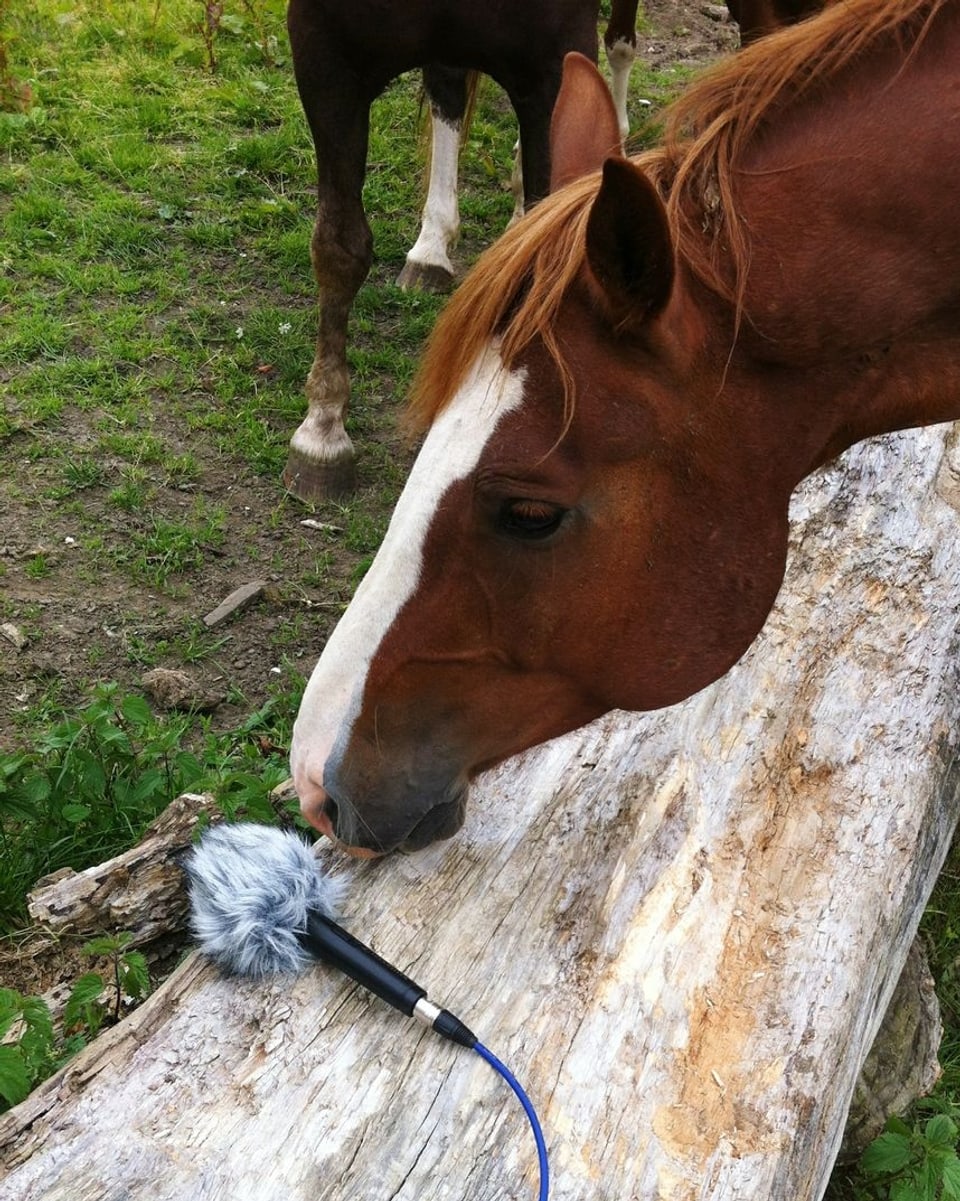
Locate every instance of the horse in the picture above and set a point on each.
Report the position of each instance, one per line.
(342, 63)
(621, 397)
(756, 18)
(343, 58)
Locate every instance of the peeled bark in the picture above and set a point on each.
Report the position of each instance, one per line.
(681, 930)
(903, 1063)
(140, 891)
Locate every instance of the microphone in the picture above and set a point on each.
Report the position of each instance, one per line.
(261, 905)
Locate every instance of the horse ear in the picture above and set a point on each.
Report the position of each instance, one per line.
(629, 245)
(584, 128)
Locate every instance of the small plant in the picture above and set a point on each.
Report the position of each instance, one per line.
(32, 1049)
(209, 27)
(161, 547)
(264, 41)
(196, 643)
(82, 473)
(27, 1058)
(38, 566)
(131, 495)
(181, 471)
(914, 1163)
(131, 983)
(92, 782)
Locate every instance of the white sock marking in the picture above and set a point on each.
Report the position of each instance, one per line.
(440, 221)
(621, 56)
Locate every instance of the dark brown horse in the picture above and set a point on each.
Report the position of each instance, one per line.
(622, 396)
(343, 58)
(344, 55)
(759, 17)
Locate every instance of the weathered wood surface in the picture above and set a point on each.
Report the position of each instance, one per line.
(680, 930)
(140, 891)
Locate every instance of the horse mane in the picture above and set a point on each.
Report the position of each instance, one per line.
(706, 131)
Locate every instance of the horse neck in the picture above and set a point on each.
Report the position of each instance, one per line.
(848, 199)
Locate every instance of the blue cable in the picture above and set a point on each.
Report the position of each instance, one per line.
(531, 1113)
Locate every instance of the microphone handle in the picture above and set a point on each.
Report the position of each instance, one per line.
(331, 943)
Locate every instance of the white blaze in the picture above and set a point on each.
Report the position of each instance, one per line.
(450, 452)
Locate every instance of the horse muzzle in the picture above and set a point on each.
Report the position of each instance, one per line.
(407, 816)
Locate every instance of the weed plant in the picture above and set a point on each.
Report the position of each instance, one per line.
(94, 781)
(32, 1046)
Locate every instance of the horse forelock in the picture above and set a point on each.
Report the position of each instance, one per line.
(512, 294)
(517, 286)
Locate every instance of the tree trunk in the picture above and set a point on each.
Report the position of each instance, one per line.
(680, 930)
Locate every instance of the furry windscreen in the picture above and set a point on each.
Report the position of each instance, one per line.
(251, 888)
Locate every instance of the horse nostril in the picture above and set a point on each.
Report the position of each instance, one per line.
(330, 812)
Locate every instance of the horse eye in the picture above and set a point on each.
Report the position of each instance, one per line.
(530, 519)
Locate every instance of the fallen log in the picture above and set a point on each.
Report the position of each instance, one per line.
(681, 931)
(139, 891)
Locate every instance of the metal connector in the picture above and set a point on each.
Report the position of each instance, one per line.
(426, 1012)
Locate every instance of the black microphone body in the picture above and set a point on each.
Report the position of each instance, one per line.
(334, 945)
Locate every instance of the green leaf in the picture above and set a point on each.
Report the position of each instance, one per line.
(931, 1179)
(36, 1042)
(232, 23)
(134, 975)
(941, 1131)
(14, 1078)
(14, 803)
(81, 1008)
(75, 814)
(950, 1175)
(115, 740)
(99, 710)
(11, 766)
(36, 788)
(888, 1153)
(105, 944)
(136, 710)
(59, 737)
(897, 1125)
(149, 785)
(908, 1188)
(93, 780)
(10, 1009)
(188, 767)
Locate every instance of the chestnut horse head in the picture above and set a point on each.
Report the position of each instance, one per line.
(622, 396)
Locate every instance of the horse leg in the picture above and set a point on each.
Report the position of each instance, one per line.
(320, 463)
(428, 264)
(516, 185)
(620, 40)
(533, 110)
(533, 97)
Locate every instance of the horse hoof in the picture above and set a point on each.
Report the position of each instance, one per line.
(424, 277)
(311, 481)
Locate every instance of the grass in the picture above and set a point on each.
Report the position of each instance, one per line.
(154, 338)
(156, 324)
